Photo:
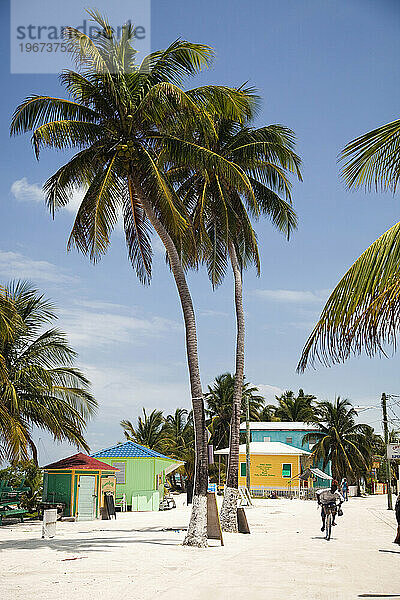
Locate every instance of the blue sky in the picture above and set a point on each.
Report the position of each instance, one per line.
(326, 69)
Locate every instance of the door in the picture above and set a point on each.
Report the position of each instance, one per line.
(86, 498)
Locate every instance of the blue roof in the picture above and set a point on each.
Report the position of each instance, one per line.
(129, 450)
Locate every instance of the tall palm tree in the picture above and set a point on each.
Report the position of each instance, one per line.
(121, 117)
(221, 212)
(40, 386)
(148, 430)
(363, 311)
(295, 408)
(219, 401)
(341, 441)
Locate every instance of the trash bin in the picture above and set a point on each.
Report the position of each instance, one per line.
(49, 523)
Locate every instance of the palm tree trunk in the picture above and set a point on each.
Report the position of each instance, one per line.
(34, 451)
(229, 505)
(197, 530)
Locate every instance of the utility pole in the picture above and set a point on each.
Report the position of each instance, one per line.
(248, 442)
(387, 461)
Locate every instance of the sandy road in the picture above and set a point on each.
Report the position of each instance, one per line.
(139, 556)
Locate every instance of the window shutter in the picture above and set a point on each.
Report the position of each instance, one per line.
(119, 475)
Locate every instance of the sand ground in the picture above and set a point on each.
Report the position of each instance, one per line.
(140, 556)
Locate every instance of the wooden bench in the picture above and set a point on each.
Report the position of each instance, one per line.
(8, 511)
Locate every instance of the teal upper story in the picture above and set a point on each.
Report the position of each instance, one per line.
(287, 432)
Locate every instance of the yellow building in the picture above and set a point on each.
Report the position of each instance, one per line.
(273, 465)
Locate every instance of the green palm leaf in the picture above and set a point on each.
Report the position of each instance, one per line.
(363, 310)
(40, 110)
(373, 159)
(39, 384)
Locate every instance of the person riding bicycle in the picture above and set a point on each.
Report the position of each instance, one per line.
(329, 496)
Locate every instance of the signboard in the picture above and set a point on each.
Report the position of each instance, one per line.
(379, 488)
(212, 487)
(394, 451)
(214, 531)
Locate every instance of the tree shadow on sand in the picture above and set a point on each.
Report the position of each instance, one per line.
(99, 544)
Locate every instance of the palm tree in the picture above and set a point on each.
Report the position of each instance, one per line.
(219, 407)
(220, 213)
(178, 440)
(122, 117)
(295, 408)
(267, 413)
(40, 386)
(148, 430)
(13, 441)
(341, 441)
(379, 445)
(363, 311)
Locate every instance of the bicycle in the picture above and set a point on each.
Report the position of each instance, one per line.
(330, 509)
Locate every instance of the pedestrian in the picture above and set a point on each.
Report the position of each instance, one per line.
(397, 511)
(345, 489)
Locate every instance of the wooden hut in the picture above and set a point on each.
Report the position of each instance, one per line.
(141, 473)
(79, 482)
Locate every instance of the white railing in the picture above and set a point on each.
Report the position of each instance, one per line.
(270, 492)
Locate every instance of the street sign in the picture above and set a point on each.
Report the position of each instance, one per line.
(394, 451)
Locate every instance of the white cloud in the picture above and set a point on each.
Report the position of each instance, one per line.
(122, 393)
(95, 324)
(269, 392)
(292, 296)
(14, 265)
(23, 191)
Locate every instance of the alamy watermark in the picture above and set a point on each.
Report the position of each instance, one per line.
(41, 30)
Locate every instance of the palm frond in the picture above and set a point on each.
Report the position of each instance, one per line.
(74, 177)
(98, 213)
(40, 110)
(362, 312)
(137, 235)
(176, 63)
(373, 159)
(65, 134)
(281, 213)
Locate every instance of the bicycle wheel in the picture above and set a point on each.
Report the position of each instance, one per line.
(328, 526)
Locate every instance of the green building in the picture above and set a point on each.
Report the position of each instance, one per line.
(79, 483)
(141, 473)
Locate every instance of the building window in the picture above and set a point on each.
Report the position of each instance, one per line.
(242, 469)
(289, 440)
(266, 439)
(119, 475)
(286, 470)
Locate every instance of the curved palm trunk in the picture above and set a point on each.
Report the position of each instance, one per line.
(229, 505)
(34, 451)
(197, 531)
